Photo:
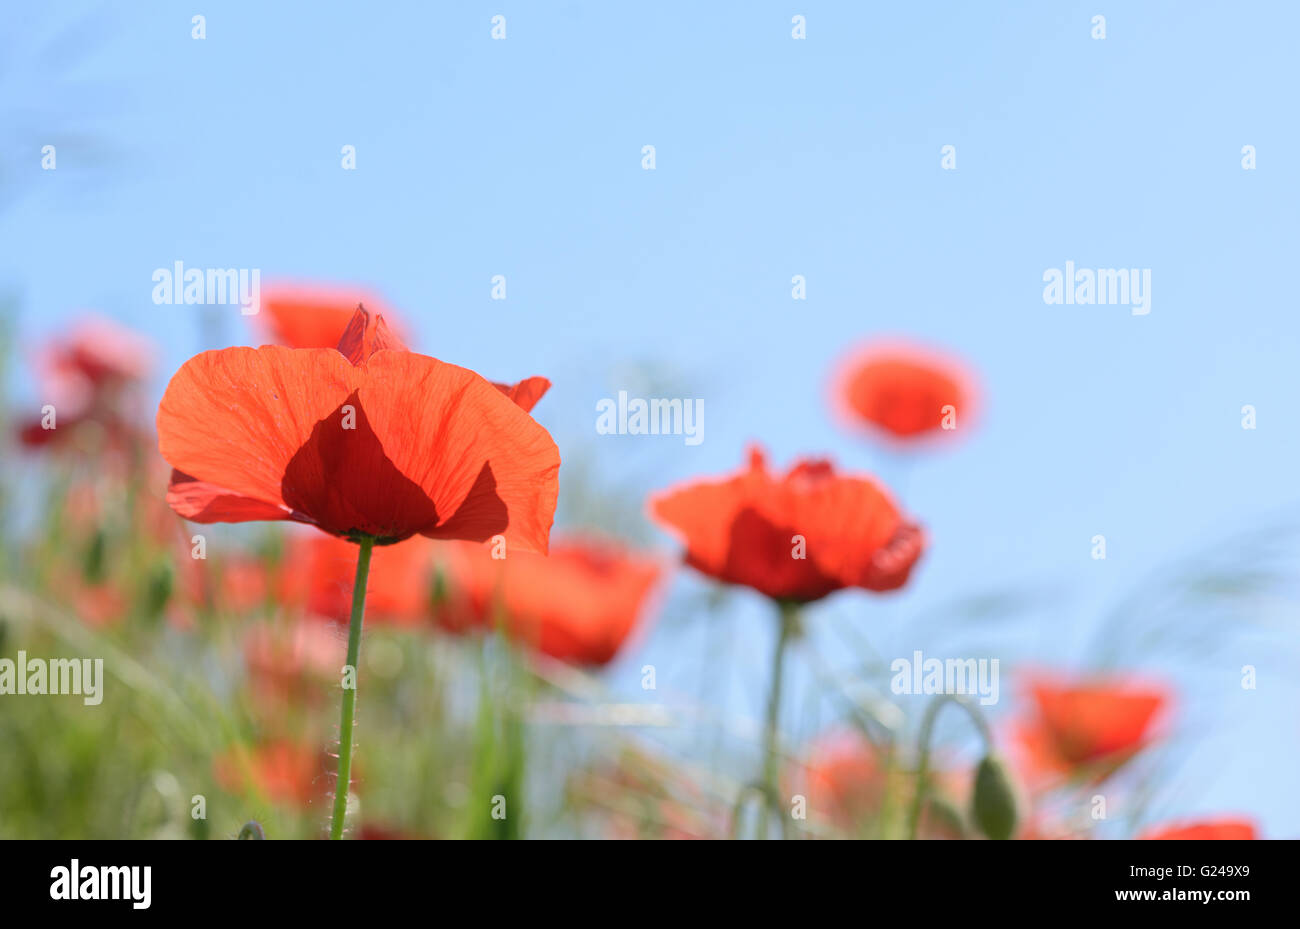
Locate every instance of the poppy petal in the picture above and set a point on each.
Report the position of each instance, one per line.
(201, 502)
(526, 393)
(488, 467)
(235, 418)
(366, 335)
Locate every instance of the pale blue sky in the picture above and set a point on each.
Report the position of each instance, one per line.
(775, 157)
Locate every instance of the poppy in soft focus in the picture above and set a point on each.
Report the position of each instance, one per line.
(1226, 828)
(904, 391)
(1088, 728)
(313, 316)
(846, 784)
(85, 378)
(797, 536)
(290, 661)
(319, 573)
(287, 772)
(843, 779)
(234, 582)
(368, 439)
(580, 603)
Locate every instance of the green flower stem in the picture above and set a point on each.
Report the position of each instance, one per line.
(771, 788)
(344, 780)
(923, 741)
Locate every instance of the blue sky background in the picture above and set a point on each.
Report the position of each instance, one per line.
(775, 157)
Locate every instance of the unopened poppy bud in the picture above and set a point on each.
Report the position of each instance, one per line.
(993, 802)
(252, 830)
(158, 588)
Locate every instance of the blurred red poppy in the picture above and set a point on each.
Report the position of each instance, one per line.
(578, 604)
(314, 316)
(286, 662)
(795, 537)
(904, 391)
(846, 785)
(1086, 729)
(84, 378)
(1223, 828)
(843, 779)
(231, 582)
(311, 316)
(287, 772)
(366, 440)
(320, 570)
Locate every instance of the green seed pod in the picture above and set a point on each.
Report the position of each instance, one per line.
(993, 802)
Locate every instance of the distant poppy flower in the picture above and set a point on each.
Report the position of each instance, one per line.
(843, 778)
(797, 536)
(846, 784)
(99, 605)
(287, 772)
(1086, 729)
(283, 660)
(309, 316)
(398, 592)
(904, 392)
(1226, 828)
(232, 581)
(84, 377)
(369, 440)
(313, 316)
(580, 603)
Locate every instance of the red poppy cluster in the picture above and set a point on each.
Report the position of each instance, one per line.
(342, 428)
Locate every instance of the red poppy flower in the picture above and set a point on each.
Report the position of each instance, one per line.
(1086, 729)
(904, 391)
(84, 377)
(287, 772)
(312, 316)
(231, 582)
(846, 785)
(843, 779)
(398, 592)
(579, 604)
(795, 537)
(366, 440)
(1223, 828)
(284, 660)
(306, 316)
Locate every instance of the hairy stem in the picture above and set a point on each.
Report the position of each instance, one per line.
(344, 780)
